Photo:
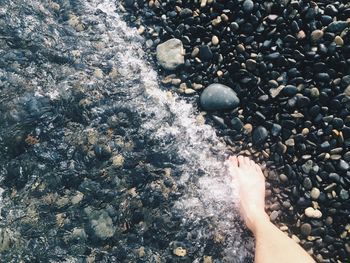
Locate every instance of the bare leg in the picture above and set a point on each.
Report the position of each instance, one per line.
(271, 244)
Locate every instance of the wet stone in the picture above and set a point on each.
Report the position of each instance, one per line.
(129, 3)
(343, 165)
(248, 6)
(307, 166)
(218, 97)
(305, 229)
(170, 54)
(276, 129)
(344, 194)
(307, 183)
(251, 64)
(260, 135)
(186, 12)
(290, 90)
(237, 124)
(337, 26)
(205, 53)
(100, 223)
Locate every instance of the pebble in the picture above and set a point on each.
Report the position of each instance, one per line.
(260, 135)
(215, 40)
(170, 54)
(251, 64)
(337, 26)
(344, 194)
(313, 213)
(276, 129)
(315, 193)
(290, 142)
(5, 239)
(316, 35)
(305, 229)
(100, 222)
(274, 215)
(180, 252)
(290, 90)
(283, 178)
(237, 124)
(307, 183)
(343, 166)
(218, 97)
(248, 6)
(307, 166)
(248, 128)
(205, 53)
(129, 3)
(339, 41)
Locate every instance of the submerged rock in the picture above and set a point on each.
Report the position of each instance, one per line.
(218, 97)
(101, 223)
(170, 54)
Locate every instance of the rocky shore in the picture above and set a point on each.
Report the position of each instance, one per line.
(274, 78)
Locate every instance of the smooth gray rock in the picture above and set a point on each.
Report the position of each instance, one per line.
(218, 97)
(170, 54)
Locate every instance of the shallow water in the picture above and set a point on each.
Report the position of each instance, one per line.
(98, 162)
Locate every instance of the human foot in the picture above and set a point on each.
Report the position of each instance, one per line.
(251, 185)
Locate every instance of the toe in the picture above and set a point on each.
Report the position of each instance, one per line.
(241, 161)
(247, 161)
(234, 161)
(258, 168)
(252, 163)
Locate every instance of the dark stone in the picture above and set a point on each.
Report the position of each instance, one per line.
(218, 97)
(305, 229)
(129, 3)
(276, 129)
(343, 166)
(337, 26)
(337, 123)
(290, 90)
(273, 56)
(326, 20)
(205, 53)
(346, 132)
(186, 12)
(303, 101)
(325, 146)
(334, 177)
(324, 77)
(237, 124)
(260, 135)
(248, 6)
(307, 183)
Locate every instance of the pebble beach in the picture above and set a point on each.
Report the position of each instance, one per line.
(117, 118)
(273, 77)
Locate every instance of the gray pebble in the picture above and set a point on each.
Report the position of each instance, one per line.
(218, 97)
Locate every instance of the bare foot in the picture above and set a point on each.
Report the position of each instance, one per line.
(251, 185)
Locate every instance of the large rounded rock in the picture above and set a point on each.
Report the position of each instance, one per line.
(218, 97)
(170, 54)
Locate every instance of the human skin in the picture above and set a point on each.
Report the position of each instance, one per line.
(271, 244)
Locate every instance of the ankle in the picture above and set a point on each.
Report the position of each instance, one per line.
(257, 220)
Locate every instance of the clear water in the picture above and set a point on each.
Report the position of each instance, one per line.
(98, 163)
